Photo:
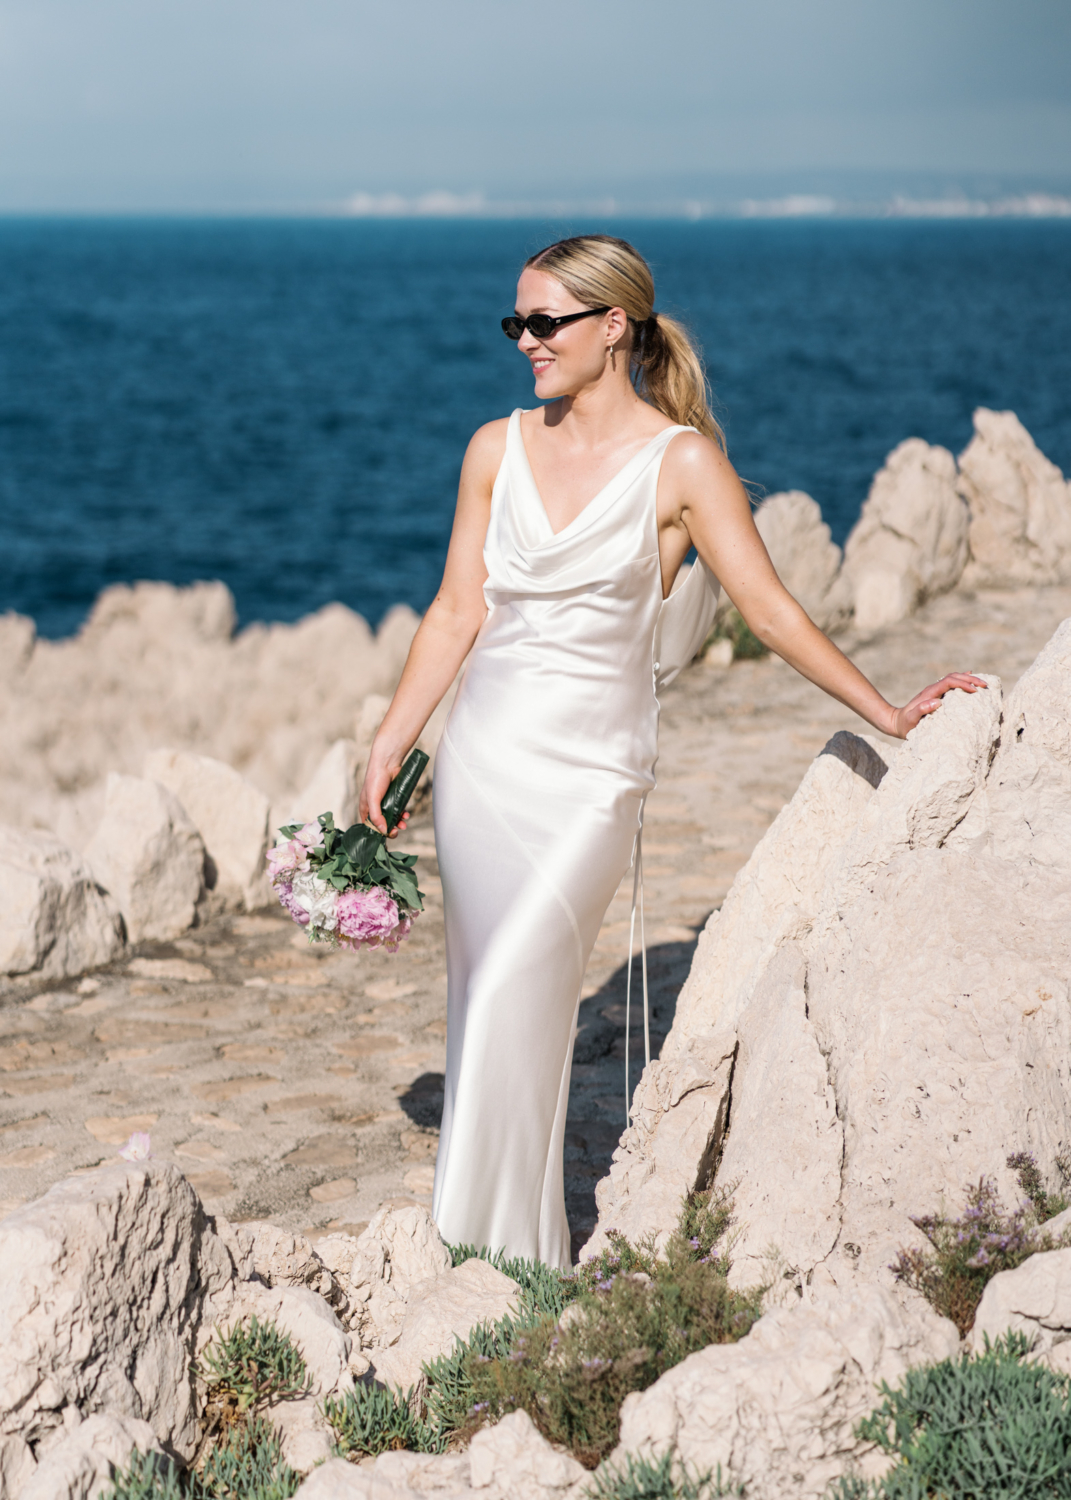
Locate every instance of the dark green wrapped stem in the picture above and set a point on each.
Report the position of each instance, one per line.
(396, 797)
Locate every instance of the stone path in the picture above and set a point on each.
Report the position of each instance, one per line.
(307, 1089)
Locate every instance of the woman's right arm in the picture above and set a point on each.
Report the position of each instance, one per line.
(448, 629)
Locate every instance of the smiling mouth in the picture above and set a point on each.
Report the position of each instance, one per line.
(541, 364)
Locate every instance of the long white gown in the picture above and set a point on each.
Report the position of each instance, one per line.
(540, 781)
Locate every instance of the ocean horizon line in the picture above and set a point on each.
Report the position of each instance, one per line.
(444, 206)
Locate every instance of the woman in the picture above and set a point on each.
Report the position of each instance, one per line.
(572, 522)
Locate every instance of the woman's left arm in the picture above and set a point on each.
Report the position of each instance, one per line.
(707, 501)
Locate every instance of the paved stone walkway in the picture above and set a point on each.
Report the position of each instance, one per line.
(307, 1089)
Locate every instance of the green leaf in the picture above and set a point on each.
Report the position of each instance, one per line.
(406, 887)
(361, 842)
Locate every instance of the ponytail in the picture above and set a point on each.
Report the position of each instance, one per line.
(667, 368)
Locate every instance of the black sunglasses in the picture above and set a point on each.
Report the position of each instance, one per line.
(541, 325)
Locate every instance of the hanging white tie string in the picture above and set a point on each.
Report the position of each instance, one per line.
(637, 900)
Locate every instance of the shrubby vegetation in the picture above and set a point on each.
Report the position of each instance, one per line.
(634, 1316)
(239, 1458)
(986, 1238)
(986, 1427)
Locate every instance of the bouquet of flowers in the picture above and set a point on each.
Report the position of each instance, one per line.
(349, 888)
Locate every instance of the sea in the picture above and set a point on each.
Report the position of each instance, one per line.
(284, 404)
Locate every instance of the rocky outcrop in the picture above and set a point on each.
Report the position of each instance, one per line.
(158, 666)
(107, 1279)
(910, 541)
(231, 817)
(1020, 506)
(879, 1014)
(807, 559)
(149, 857)
(777, 1411)
(54, 918)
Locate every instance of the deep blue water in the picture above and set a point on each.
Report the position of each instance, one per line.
(285, 404)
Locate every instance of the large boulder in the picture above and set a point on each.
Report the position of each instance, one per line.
(777, 1411)
(107, 1279)
(54, 918)
(149, 857)
(1020, 505)
(231, 817)
(910, 541)
(879, 1014)
(807, 559)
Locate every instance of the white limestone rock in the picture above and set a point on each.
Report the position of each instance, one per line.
(440, 1311)
(1020, 505)
(106, 1279)
(1024, 812)
(340, 1480)
(400, 1249)
(305, 1435)
(777, 1410)
(81, 1465)
(514, 1458)
(910, 542)
(231, 816)
(807, 560)
(783, 1097)
(893, 1019)
(681, 1101)
(54, 919)
(1034, 1299)
(149, 857)
(17, 637)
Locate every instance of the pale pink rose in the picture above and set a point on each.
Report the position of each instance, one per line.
(137, 1147)
(370, 919)
(287, 855)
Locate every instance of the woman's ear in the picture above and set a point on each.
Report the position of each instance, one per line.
(616, 324)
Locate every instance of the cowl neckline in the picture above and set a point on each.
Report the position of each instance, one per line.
(544, 535)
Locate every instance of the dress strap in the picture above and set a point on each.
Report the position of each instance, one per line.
(637, 900)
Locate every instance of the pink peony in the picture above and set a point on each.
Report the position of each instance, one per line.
(370, 919)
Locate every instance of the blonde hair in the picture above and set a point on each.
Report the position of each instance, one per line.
(666, 367)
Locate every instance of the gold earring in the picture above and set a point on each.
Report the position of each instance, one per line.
(613, 362)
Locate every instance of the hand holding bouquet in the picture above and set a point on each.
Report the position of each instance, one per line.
(348, 888)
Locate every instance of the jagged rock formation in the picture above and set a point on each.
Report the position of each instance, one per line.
(879, 1012)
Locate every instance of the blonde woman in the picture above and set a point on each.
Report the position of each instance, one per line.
(572, 522)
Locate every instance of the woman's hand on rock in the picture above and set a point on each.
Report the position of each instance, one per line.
(382, 768)
(929, 700)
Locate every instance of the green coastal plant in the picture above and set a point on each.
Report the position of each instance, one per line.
(146, 1477)
(977, 1427)
(369, 1420)
(246, 1464)
(253, 1363)
(967, 1251)
(635, 1315)
(657, 1479)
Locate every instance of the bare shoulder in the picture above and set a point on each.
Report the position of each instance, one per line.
(693, 462)
(486, 448)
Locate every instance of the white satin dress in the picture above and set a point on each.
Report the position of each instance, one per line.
(540, 781)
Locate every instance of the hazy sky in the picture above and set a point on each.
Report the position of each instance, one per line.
(289, 103)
